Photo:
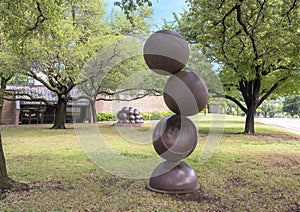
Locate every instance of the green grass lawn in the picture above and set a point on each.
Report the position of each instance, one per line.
(246, 173)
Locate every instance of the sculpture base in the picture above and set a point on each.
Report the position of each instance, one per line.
(173, 178)
(183, 191)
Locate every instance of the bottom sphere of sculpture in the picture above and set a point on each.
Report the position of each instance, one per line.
(169, 177)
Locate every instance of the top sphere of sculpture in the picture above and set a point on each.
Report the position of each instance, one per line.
(166, 52)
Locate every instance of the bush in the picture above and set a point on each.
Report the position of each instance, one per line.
(156, 115)
(296, 116)
(106, 117)
(168, 113)
(146, 116)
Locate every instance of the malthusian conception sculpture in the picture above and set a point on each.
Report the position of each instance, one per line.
(175, 137)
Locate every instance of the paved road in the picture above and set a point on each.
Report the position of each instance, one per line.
(292, 125)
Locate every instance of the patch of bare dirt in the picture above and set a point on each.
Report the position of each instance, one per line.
(282, 160)
(36, 185)
(275, 137)
(236, 181)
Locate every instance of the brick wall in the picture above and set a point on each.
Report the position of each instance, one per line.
(146, 104)
(9, 112)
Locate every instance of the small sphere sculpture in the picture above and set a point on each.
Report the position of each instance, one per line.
(185, 93)
(129, 115)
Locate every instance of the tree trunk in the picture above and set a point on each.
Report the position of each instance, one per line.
(60, 114)
(250, 91)
(5, 182)
(249, 125)
(2, 91)
(93, 110)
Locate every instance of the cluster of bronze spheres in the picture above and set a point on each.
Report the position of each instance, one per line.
(130, 115)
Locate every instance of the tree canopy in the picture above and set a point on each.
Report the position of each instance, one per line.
(56, 40)
(255, 42)
(291, 105)
(10, 65)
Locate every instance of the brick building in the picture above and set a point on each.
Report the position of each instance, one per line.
(10, 112)
(147, 104)
(35, 112)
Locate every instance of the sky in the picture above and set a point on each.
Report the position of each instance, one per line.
(163, 9)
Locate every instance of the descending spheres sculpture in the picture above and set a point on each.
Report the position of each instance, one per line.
(175, 137)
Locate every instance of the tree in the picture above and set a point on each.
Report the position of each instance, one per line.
(5, 181)
(256, 42)
(57, 43)
(18, 78)
(199, 63)
(116, 61)
(291, 105)
(130, 6)
(10, 67)
(4, 80)
(270, 107)
(139, 22)
(117, 71)
(64, 37)
(105, 72)
(80, 34)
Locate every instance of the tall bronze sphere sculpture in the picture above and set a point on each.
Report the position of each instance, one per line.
(166, 52)
(185, 93)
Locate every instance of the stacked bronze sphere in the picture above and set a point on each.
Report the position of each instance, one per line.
(175, 137)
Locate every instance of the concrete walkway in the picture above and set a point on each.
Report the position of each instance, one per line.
(290, 124)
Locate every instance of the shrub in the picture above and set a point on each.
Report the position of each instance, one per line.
(106, 117)
(296, 116)
(168, 113)
(146, 116)
(156, 115)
